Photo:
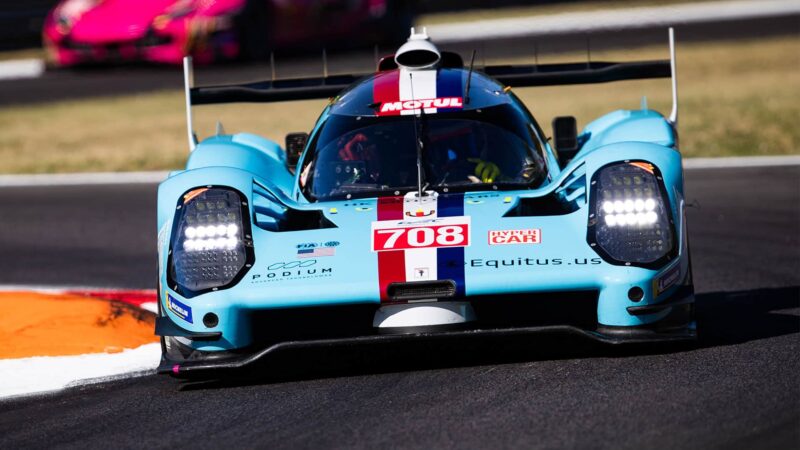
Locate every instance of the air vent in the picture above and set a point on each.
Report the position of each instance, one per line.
(418, 290)
(272, 214)
(568, 198)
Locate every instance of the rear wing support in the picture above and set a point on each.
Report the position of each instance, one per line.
(188, 85)
(673, 116)
(592, 72)
(330, 86)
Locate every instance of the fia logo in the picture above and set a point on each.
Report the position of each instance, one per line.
(313, 245)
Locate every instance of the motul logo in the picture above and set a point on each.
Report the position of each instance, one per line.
(410, 105)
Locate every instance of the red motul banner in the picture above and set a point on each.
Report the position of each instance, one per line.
(394, 108)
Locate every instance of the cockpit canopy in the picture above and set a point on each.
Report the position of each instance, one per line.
(496, 147)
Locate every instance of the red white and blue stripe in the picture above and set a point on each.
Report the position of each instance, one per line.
(404, 92)
(421, 264)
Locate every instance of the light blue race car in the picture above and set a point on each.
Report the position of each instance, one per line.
(426, 202)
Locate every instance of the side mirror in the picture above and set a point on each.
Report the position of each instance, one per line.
(295, 144)
(565, 138)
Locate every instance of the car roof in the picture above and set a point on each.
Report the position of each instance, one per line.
(438, 90)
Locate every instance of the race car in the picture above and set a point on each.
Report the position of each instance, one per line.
(426, 203)
(164, 31)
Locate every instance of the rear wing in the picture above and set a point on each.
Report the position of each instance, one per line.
(517, 76)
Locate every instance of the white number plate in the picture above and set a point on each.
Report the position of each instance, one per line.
(433, 233)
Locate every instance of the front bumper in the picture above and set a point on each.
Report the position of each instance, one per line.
(158, 49)
(677, 325)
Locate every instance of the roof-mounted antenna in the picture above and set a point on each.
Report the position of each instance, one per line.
(324, 64)
(469, 77)
(375, 55)
(272, 65)
(416, 138)
(188, 84)
(588, 52)
(673, 116)
(220, 128)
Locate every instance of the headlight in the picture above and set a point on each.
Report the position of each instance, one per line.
(631, 221)
(69, 11)
(211, 244)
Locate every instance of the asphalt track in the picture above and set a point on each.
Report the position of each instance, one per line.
(74, 84)
(738, 389)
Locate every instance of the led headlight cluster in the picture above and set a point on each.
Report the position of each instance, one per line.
(630, 212)
(211, 237)
(210, 240)
(631, 221)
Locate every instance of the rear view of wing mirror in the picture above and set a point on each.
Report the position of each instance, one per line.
(565, 138)
(295, 144)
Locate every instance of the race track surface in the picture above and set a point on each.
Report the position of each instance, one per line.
(738, 389)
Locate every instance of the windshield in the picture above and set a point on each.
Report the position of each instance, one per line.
(358, 156)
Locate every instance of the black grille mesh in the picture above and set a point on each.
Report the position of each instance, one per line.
(421, 290)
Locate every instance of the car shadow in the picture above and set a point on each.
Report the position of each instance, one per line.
(729, 318)
(724, 318)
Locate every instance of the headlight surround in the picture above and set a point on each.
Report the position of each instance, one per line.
(69, 11)
(630, 221)
(211, 246)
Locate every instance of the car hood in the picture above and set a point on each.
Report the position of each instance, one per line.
(352, 261)
(118, 20)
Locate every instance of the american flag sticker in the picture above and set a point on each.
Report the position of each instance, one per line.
(316, 252)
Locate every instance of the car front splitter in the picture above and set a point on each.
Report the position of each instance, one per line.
(206, 366)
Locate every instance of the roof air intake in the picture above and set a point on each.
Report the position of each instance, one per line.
(418, 52)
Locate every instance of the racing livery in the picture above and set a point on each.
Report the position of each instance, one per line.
(426, 202)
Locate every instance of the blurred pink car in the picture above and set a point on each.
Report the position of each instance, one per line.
(164, 31)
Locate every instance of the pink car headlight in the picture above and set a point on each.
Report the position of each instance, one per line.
(70, 11)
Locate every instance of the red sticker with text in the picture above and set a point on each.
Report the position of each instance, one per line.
(506, 237)
(393, 108)
(434, 233)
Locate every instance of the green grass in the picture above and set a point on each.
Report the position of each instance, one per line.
(28, 53)
(737, 98)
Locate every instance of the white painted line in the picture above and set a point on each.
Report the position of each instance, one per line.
(26, 376)
(150, 306)
(21, 68)
(70, 179)
(604, 20)
(741, 161)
